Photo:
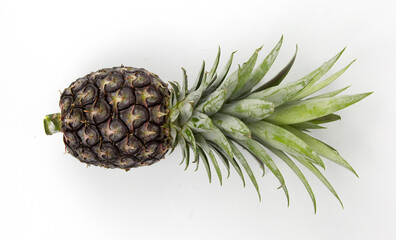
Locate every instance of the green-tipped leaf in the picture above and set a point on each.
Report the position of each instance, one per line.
(203, 144)
(254, 147)
(330, 94)
(246, 166)
(260, 71)
(321, 148)
(314, 88)
(280, 94)
(205, 161)
(199, 79)
(249, 110)
(246, 70)
(326, 119)
(220, 78)
(275, 81)
(231, 126)
(311, 109)
(319, 175)
(283, 140)
(297, 171)
(317, 74)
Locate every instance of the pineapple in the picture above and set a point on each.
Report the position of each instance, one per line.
(125, 117)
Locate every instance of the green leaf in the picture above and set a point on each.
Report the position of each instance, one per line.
(205, 161)
(220, 78)
(222, 157)
(200, 122)
(326, 119)
(246, 166)
(281, 139)
(187, 156)
(319, 175)
(246, 70)
(297, 171)
(185, 111)
(321, 148)
(213, 104)
(260, 71)
(275, 81)
(310, 109)
(307, 125)
(254, 147)
(218, 137)
(317, 74)
(248, 110)
(231, 126)
(183, 146)
(175, 93)
(174, 114)
(314, 88)
(184, 88)
(173, 135)
(330, 94)
(187, 105)
(199, 78)
(280, 94)
(212, 72)
(233, 163)
(188, 135)
(203, 144)
(226, 88)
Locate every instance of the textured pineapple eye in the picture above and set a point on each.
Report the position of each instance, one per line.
(122, 98)
(89, 135)
(113, 130)
(148, 132)
(112, 82)
(130, 145)
(105, 151)
(78, 84)
(86, 95)
(71, 140)
(134, 116)
(98, 112)
(86, 155)
(148, 97)
(127, 162)
(137, 79)
(65, 104)
(158, 114)
(149, 150)
(74, 119)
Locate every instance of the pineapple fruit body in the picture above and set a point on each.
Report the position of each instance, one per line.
(115, 118)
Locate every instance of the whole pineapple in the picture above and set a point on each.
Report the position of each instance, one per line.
(125, 117)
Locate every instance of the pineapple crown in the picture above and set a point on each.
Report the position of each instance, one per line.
(222, 110)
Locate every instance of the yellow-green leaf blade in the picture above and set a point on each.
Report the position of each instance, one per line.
(249, 110)
(311, 109)
(203, 144)
(297, 171)
(246, 166)
(321, 148)
(319, 175)
(283, 140)
(254, 147)
(231, 126)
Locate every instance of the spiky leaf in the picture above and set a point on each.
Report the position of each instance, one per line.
(231, 126)
(310, 109)
(249, 110)
(283, 140)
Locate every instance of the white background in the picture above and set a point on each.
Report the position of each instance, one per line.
(46, 194)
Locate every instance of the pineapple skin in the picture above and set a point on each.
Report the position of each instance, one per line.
(116, 118)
